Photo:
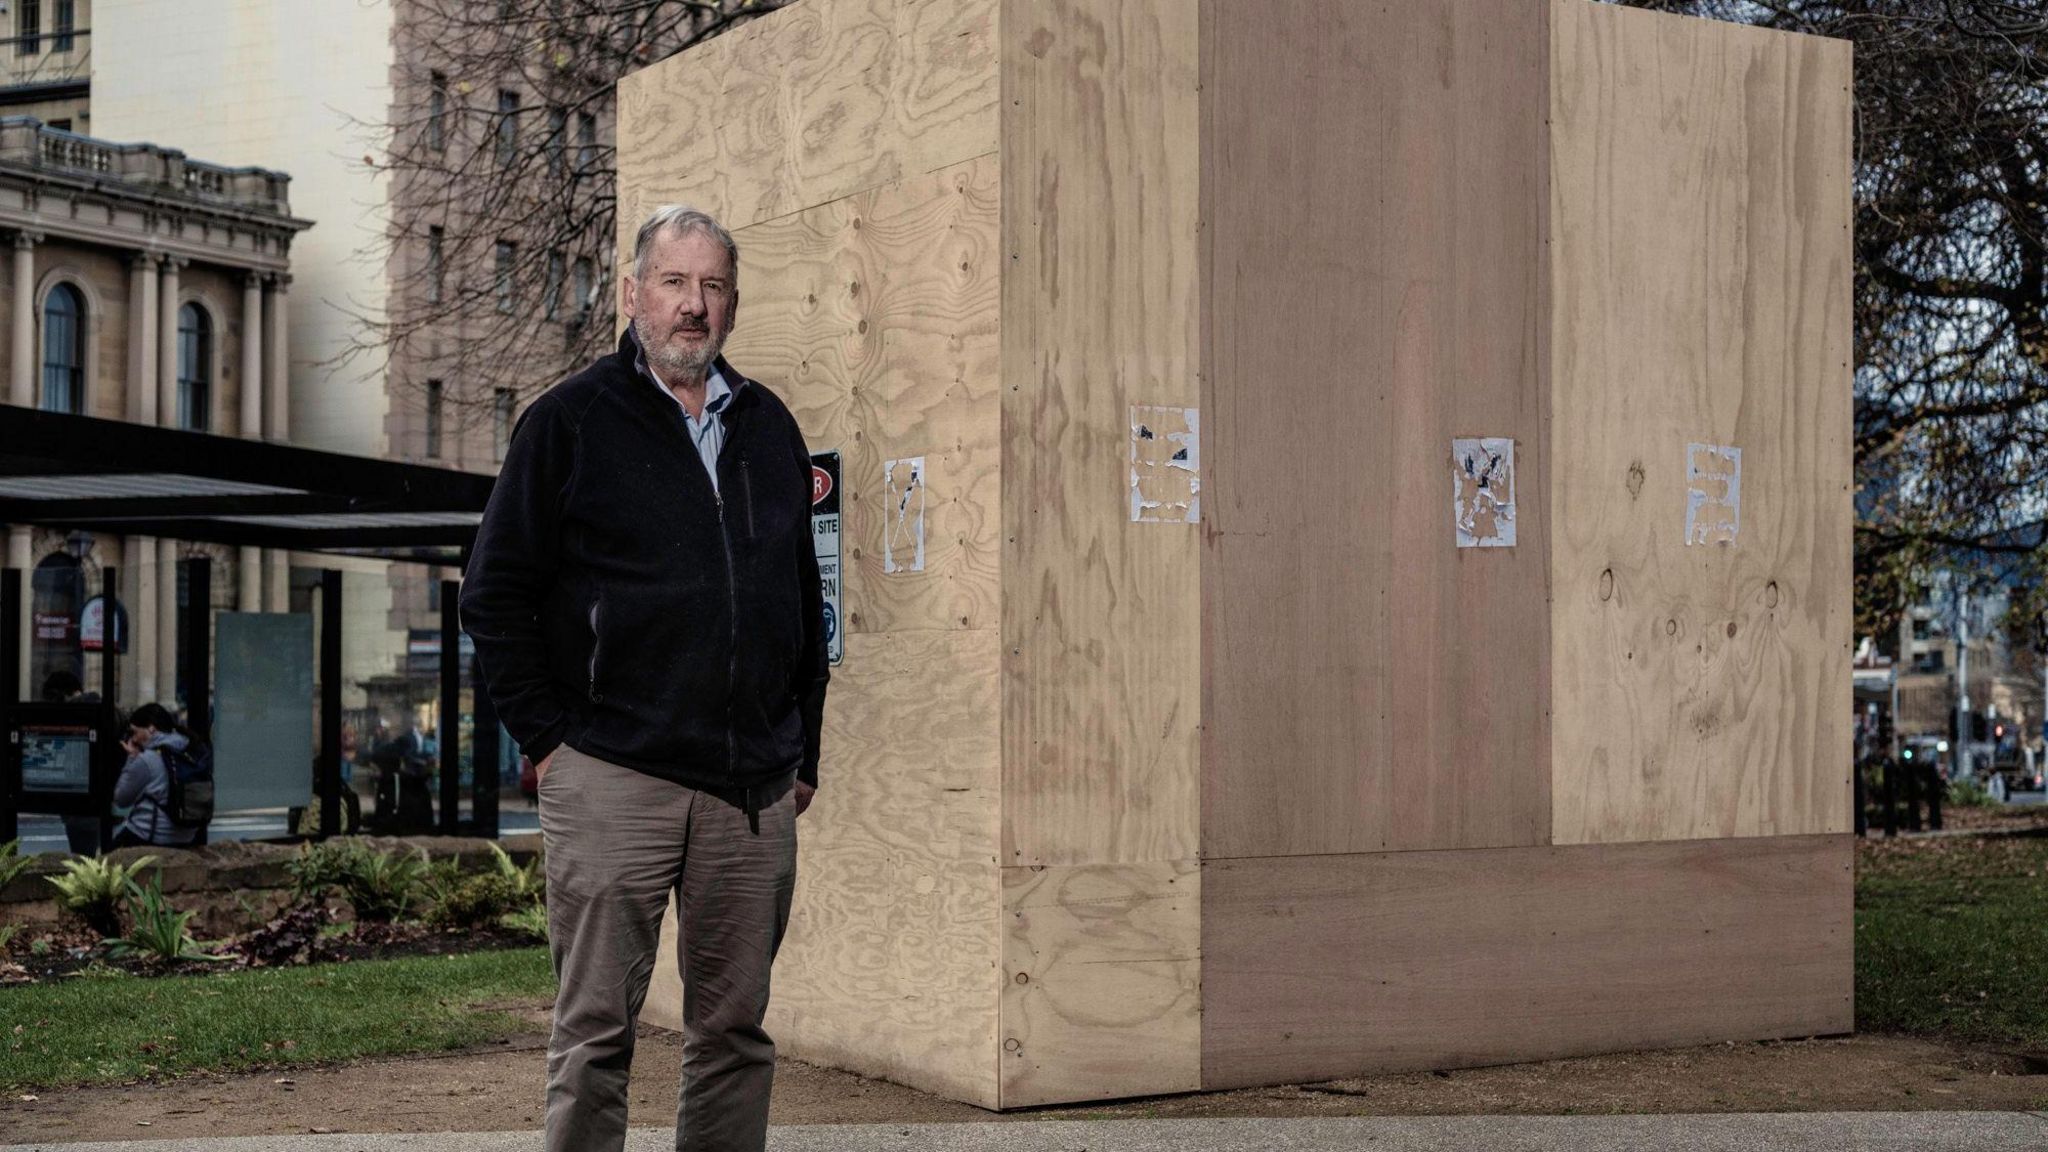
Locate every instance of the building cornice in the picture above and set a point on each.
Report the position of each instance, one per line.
(79, 184)
(35, 204)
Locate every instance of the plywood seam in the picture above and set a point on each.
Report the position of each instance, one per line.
(872, 188)
(907, 631)
(1801, 835)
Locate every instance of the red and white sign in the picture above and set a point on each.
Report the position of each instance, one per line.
(52, 626)
(821, 485)
(92, 626)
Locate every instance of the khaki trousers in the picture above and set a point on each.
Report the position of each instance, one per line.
(618, 843)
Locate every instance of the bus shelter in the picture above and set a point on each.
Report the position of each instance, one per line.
(70, 472)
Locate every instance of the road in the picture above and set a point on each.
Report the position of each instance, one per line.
(46, 833)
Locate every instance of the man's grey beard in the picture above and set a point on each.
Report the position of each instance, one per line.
(675, 364)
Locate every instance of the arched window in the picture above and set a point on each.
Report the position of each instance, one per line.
(195, 368)
(64, 350)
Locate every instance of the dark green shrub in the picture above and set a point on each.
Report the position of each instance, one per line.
(469, 899)
(531, 920)
(382, 886)
(320, 868)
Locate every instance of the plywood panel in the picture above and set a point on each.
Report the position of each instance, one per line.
(1702, 285)
(1373, 180)
(891, 961)
(808, 105)
(1102, 982)
(1325, 966)
(875, 318)
(1101, 619)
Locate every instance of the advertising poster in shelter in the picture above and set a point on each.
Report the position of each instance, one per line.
(264, 708)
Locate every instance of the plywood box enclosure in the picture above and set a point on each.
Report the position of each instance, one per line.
(1378, 593)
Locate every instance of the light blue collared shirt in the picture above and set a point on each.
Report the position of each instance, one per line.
(708, 431)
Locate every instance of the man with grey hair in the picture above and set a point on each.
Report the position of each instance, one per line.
(644, 596)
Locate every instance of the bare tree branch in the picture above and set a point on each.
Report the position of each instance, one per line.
(501, 156)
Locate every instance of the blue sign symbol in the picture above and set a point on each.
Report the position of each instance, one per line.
(831, 623)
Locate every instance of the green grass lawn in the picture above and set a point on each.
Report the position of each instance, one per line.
(99, 1029)
(1952, 939)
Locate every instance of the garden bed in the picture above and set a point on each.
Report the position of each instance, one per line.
(130, 913)
(73, 952)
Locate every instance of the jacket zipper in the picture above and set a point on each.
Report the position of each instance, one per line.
(596, 646)
(732, 617)
(732, 651)
(747, 495)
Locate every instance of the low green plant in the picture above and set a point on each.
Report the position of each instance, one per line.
(12, 862)
(161, 933)
(461, 899)
(7, 934)
(532, 920)
(382, 886)
(320, 868)
(1969, 792)
(529, 881)
(93, 888)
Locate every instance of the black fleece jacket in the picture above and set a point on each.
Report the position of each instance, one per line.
(622, 606)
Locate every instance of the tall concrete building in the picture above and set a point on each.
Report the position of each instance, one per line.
(305, 85)
(302, 85)
(46, 62)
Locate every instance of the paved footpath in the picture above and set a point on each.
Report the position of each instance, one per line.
(1791, 1132)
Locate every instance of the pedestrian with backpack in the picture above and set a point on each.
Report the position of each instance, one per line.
(167, 784)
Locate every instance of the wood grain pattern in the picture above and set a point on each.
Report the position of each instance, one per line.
(808, 105)
(890, 964)
(1101, 616)
(1328, 966)
(1373, 187)
(875, 318)
(1102, 982)
(1702, 271)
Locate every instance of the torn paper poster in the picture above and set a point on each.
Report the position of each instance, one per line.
(1713, 494)
(1166, 465)
(903, 515)
(1483, 491)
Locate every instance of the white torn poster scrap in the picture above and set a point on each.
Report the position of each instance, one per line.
(1166, 465)
(1713, 494)
(903, 515)
(1483, 491)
